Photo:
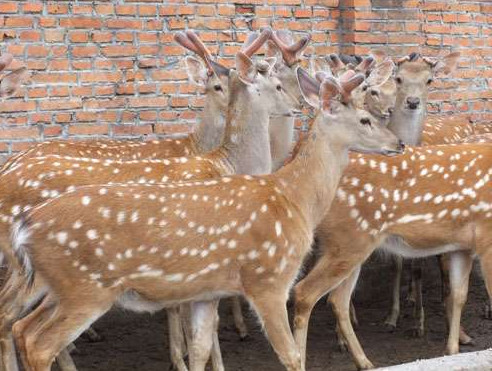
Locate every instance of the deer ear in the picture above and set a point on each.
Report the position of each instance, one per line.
(381, 73)
(196, 70)
(245, 67)
(12, 81)
(445, 66)
(309, 88)
(328, 91)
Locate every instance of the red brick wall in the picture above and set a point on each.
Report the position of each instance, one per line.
(110, 68)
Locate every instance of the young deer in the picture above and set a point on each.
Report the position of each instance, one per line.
(207, 135)
(429, 201)
(260, 232)
(258, 92)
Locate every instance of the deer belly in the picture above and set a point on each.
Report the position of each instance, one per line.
(398, 246)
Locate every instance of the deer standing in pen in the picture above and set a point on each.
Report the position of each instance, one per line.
(67, 171)
(207, 135)
(183, 255)
(429, 201)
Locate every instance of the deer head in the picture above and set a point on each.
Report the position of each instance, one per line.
(379, 90)
(359, 131)
(288, 53)
(414, 76)
(205, 72)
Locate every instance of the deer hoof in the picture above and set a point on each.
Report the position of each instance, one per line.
(418, 332)
(390, 326)
(488, 311)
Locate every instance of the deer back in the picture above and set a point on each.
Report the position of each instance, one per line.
(430, 196)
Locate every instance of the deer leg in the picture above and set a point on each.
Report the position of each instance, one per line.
(353, 315)
(65, 361)
(465, 339)
(9, 359)
(272, 311)
(93, 336)
(203, 324)
(459, 274)
(322, 279)
(177, 345)
(392, 318)
(217, 362)
(50, 330)
(238, 317)
(340, 299)
(418, 309)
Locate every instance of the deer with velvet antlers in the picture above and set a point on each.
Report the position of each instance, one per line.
(39, 181)
(190, 249)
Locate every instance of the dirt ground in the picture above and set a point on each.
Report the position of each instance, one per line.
(139, 342)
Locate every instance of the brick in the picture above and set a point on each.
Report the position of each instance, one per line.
(57, 8)
(81, 129)
(81, 22)
(79, 37)
(9, 7)
(19, 132)
(18, 22)
(32, 7)
(84, 51)
(31, 36)
(56, 105)
(118, 51)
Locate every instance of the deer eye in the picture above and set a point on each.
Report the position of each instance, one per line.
(217, 87)
(429, 81)
(399, 80)
(365, 121)
(374, 93)
(279, 87)
(364, 88)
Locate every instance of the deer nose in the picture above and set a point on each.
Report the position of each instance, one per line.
(413, 102)
(401, 145)
(391, 110)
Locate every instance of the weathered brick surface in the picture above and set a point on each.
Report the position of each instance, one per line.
(111, 68)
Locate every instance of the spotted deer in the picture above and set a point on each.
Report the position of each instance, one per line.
(202, 239)
(288, 54)
(377, 94)
(211, 75)
(428, 201)
(449, 130)
(249, 85)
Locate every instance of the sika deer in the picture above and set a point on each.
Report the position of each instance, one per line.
(288, 54)
(207, 136)
(250, 89)
(377, 94)
(182, 255)
(428, 201)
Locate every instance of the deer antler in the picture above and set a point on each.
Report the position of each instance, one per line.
(430, 61)
(254, 42)
(366, 64)
(201, 50)
(412, 57)
(290, 52)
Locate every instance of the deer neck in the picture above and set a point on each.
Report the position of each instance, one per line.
(246, 141)
(310, 180)
(408, 125)
(209, 133)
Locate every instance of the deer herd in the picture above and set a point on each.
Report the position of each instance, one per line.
(231, 210)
